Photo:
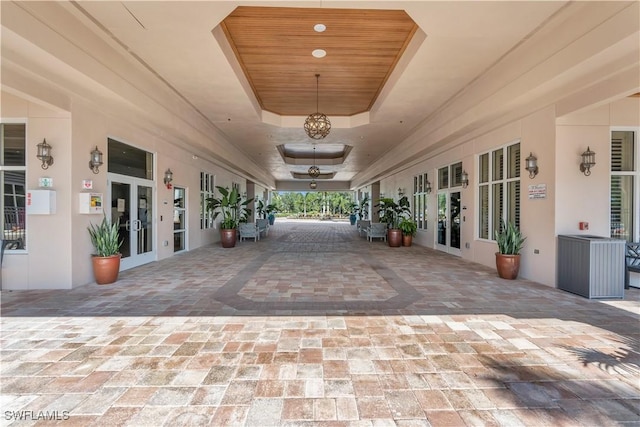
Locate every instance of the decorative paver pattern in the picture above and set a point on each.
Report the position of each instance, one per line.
(388, 336)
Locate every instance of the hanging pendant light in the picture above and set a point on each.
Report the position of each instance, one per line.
(317, 125)
(313, 185)
(314, 171)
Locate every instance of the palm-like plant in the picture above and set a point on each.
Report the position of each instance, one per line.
(230, 204)
(391, 212)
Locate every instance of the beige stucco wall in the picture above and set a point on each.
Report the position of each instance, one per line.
(579, 197)
(59, 249)
(570, 198)
(46, 263)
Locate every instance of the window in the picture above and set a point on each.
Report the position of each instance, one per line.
(624, 215)
(13, 184)
(498, 189)
(420, 200)
(206, 191)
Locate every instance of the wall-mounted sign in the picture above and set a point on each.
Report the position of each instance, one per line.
(45, 182)
(87, 184)
(538, 191)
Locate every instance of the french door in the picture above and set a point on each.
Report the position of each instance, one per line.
(448, 237)
(132, 203)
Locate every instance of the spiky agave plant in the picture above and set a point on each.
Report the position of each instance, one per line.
(105, 238)
(509, 239)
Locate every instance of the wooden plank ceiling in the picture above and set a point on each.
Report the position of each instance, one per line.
(273, 46)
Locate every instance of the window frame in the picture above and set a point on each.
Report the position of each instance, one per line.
(634, 174)
(490, 185)
(206, 217)
(420, 200)
(23, 168)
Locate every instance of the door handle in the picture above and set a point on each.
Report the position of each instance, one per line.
(127, 225)
(138, 225)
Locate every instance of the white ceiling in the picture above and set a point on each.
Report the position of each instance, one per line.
(457, 44)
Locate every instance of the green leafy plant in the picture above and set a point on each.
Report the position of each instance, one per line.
(509, 239)
(105, 237)
(362, 209)
(408, 227)
(230, 204)
(391, 212)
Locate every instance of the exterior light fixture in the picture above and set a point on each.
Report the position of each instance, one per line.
(317, 125)
(400, 192)
(314, 171)
(44, 154)
(464, 178)
(168, 177)
(588, 161)
(532, 165)
(96, 160)
(313, 185)
(427, 187)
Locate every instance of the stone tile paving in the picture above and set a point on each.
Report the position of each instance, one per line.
(314, 326)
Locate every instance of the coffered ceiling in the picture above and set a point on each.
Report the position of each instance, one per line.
(395, 72)
(275, 45)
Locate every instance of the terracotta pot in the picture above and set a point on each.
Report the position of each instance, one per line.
(106, 269)
(228, 237)
(407, 239)
(507, 265)
(394, 237)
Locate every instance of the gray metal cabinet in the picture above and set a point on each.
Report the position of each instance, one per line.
(591, 266)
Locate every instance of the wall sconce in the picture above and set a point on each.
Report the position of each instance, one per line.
(427, 187)
(96, 160)
(464, 178)
(168, 177)
(400, 192)
(588, 160)
(44, 154)
(532, 165)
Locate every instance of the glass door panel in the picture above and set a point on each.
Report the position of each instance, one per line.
(454, 208)
(121, 210)
(442, 218)
(449, 222)
(144, 225)
(132, 203)
(179, 219)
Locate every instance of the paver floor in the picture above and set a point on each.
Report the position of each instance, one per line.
(314, 326)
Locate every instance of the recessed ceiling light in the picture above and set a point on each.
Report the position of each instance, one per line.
(319, 28)
(319, 53)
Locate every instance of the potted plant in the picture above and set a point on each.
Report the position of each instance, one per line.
(409, 228)
(260, 210)
(271, 210)
(353, 208)
(106, 242)
(363, 208)
(510, 242)
(233, 209)
(391, 213)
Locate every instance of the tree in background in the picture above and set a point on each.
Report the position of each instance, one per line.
(313, 203)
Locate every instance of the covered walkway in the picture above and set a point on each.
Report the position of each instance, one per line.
(315, 325)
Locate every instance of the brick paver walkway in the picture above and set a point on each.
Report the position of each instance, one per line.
(314, 326)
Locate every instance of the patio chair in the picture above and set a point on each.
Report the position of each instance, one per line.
(632, 257)
(361, 226)
(377, 230)
(248, 231)
(263, 226)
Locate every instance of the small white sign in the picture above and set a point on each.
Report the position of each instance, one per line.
(120, 206)
(87, 184)
(45, 182)
(538, 191)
